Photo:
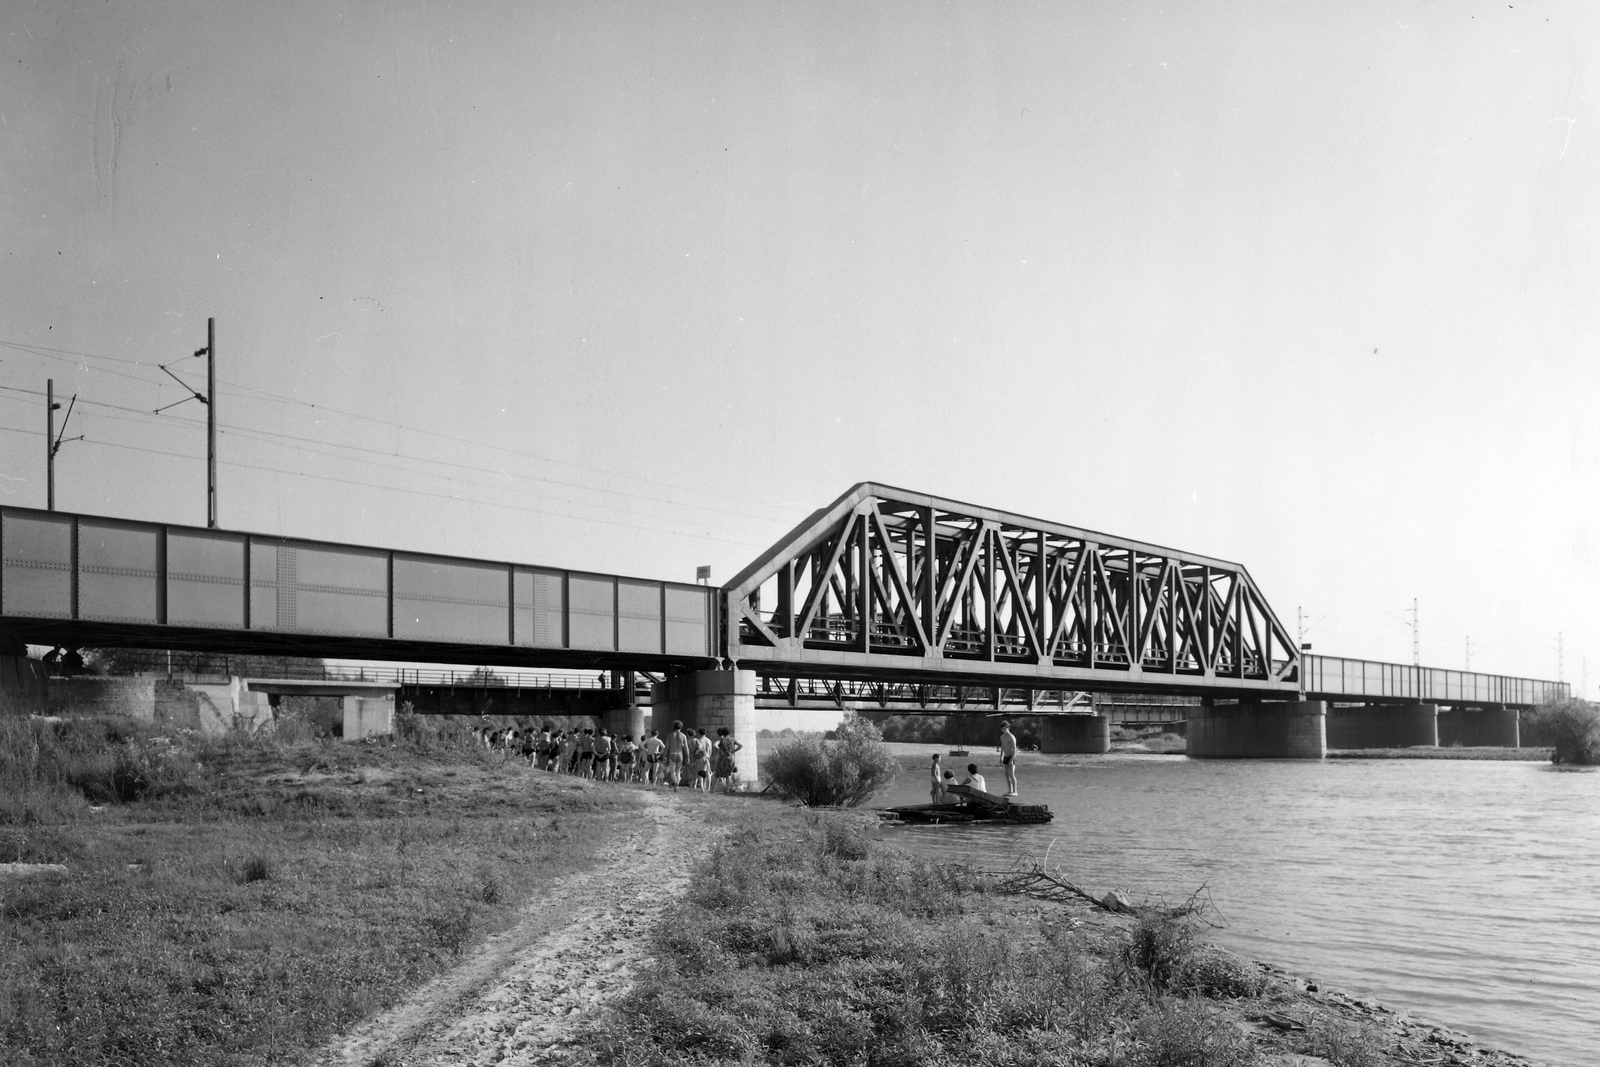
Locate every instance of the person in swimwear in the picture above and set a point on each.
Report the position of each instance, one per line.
(677, 754)
(702, 760)
(1008, 757)
(936, 782)
(653, 747)
(585, 767)
(602, 756)
(627, 767)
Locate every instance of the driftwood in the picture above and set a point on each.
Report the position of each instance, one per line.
(1041, 883)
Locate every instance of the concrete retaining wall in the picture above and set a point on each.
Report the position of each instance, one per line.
(1076, 733)
(1383, 726)
(209, 705)
(1268, 730)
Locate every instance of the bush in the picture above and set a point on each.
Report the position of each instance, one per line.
(1167, 952)
(45, 766)
(1573, 728)
(1186, 1033)
(844, 771)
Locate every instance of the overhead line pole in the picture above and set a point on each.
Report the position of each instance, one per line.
(211, 423)
(52, 443)
(50, 406)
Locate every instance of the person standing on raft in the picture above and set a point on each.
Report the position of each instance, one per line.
(1008, 757)
(936, 782)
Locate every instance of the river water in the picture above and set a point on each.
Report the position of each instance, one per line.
(1463, 892)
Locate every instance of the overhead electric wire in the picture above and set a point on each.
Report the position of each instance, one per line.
(59, 354)
(415, 492)
(353, 459)
(259, 434)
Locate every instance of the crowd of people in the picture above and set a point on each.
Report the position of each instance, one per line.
(680, 760)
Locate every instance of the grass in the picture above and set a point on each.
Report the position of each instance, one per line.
(804, 942)
(240, 900)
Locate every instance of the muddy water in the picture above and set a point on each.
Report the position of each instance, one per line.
(1467, 893)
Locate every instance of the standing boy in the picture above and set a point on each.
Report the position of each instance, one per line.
(1008, 757)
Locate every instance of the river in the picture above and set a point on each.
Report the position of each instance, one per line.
(1463, 892)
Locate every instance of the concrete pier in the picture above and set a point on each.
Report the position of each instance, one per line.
(1490, 727)
(711, 699)
(368, 717)
(1383, 726)
(1266, 730)
(1076, 733)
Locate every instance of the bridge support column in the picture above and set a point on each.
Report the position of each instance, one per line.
(367, 717)
(1491, 727)
(1076, 733)
(711, 699)
(1381, 726)
(1290, 729)
(627, 720)
(24, 688)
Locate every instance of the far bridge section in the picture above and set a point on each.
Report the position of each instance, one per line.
(895, 586)
(83, 581)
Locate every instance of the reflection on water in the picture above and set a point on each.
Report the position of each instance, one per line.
(1465, 892)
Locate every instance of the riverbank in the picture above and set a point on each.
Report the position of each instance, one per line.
(242, 900)
(806, 940)
(1455, 752)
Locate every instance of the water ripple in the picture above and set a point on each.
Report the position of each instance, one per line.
(1465, 892)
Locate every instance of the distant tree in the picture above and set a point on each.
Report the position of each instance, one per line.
(1572, 727)
(484, 676)
(845, 770)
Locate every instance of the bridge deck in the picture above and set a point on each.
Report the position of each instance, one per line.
(82, 580)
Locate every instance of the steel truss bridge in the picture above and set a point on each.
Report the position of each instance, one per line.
(884, 598)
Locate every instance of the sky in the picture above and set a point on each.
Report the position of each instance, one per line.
(636, 287)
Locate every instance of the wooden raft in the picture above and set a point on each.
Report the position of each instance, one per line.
(979, 807)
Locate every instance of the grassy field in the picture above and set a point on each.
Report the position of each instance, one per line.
(803, 941)
(237, 901)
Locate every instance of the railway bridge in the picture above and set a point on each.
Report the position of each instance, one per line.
(885, 597)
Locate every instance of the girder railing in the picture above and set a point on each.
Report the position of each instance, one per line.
(887, 582)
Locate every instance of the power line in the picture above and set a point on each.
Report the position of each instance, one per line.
(423, 492)
(59, 354)
(254, 431)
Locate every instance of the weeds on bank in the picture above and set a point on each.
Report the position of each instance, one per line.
(802, 942)
(240, 899)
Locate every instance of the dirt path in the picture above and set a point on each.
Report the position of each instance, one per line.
(527, 994)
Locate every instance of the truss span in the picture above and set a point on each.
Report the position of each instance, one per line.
(886, 584)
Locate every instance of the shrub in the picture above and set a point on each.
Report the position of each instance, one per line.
(1346, 1044)
(1187, 1033)
(844, 771)
(1167, 952)
(1573, 728)
(254, 869)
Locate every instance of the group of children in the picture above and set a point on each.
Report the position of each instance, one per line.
(940, 780)
(681, 759)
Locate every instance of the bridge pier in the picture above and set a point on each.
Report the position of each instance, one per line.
(1384, 726)
(1487, 727)
(367, 717)
(1076, 733)
(711, 699)
(1288, 729)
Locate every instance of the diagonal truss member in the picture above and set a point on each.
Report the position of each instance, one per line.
(895, 585)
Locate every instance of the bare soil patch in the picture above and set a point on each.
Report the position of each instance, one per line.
(532, 993)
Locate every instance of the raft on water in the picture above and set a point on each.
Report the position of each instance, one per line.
(980, 807)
